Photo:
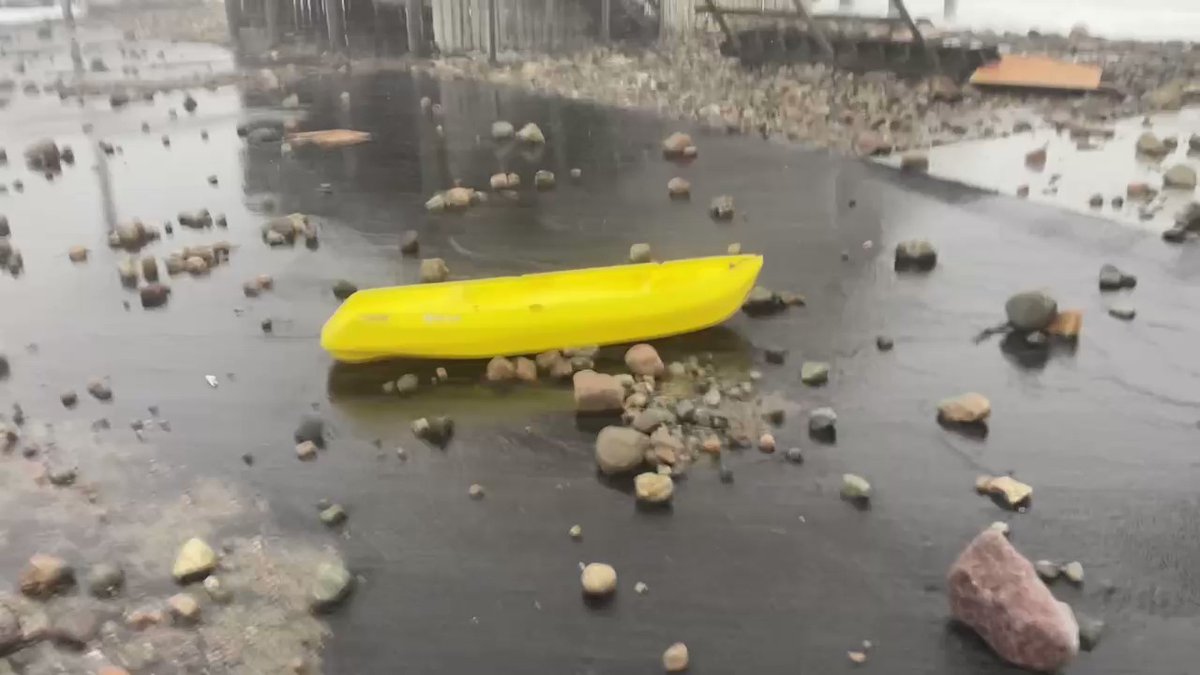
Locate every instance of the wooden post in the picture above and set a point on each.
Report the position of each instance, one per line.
(720, 19)
(493, 27)
(414, 20)
(335, 21)
(233, 17)
(817, 32)
(916, 34)
(606, 20)
(271, 7)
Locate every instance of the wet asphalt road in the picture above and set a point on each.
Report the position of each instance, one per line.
(772, 574)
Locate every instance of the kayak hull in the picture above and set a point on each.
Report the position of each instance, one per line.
(507, 316)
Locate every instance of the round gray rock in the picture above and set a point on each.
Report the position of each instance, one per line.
(619, 449)
(1031, 310)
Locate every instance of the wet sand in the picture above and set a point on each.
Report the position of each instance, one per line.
(771, 574)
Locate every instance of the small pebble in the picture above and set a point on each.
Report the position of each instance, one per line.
(576, 532)
(641, 588)
(1073, 571)
(794, 455)
(766, 443)
(475, 491)
(675, 658)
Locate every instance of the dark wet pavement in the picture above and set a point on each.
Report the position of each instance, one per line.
(771, 574)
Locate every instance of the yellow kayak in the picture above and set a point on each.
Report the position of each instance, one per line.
(532, 313)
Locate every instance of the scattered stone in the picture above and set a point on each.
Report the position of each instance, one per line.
(1001, 527)
(914, 162)
(1022, 191)
(794, 455)
(766, 443)
(543, 180)
(531, 134)
(775, 355)
(639, 253)
(970, 408)
(1180, 177)
(675, 658)
(196, 560)
(822, 424)
(500, 369)
(1073, 571)
(1112, 278)
(267, 325)
(184, 608)
(576, 174)
(576, 532)
(1067, 324)
(1140, 191)
(332, 584)
(643, 359)
(649, 420)
(734, 249)
(721, 207)
(675, 145)
(1012, 492)
(1048, 571)
(620, 449)
(598, 579)
(814, 373)
(763, 302)
(195, 265)
(1096, 201)
(74, 626)
(725, 474)
(996, 591)
(915, 254)
(407, 384)
(1122, 313)
(310, 428)
(333, 516)
(436, 203)
(306, 450)
(858, 658)
(69, 399)
(216, 590)
(154, 295)
(77, 254)
(1031, 310)
(597, 392)
(409, 243)
(100, 390)
(105, 580)
(1149, 145)
(1090, 631)
(855, 488)
(502, 131)
(46, 575)
(653, 488)
(459, 198)
(678, 188)
(884, 343)
(1036, 159)
(43, 155)
(434, 270)
(434, 430)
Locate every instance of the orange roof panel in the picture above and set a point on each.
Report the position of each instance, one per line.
(1039, 72)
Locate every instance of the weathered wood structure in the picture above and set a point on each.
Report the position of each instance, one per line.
(755, 30)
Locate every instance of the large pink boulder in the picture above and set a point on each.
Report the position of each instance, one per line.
(996, 591)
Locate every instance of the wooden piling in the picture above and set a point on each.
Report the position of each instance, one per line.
(335, 21)
(415, 27)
